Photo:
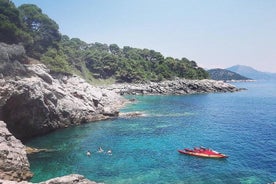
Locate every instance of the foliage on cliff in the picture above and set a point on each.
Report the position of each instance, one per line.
(127, 64)
(12, 28)
(39, 34)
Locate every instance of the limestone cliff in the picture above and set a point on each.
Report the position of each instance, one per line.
(38, 104)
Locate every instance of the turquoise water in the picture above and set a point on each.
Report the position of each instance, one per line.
(144, 149)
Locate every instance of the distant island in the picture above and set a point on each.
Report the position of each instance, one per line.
(240, 73)
(226, 75)
(252, 73)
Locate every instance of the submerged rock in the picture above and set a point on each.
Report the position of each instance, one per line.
(132, 114)
(30, 150)
(14, 164)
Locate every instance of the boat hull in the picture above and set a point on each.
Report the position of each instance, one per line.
(205, 155)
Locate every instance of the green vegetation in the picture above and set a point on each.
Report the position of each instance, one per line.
(12, 28)
(41, 28)
(42, 40)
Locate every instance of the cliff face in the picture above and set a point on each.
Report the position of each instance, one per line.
(33, 102)
(38, 104)
(14, 164)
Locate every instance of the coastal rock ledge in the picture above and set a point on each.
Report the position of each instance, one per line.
(174, 87)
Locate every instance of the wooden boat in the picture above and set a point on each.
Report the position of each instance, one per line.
(202, 152)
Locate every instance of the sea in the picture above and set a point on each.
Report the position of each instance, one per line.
(144, 149)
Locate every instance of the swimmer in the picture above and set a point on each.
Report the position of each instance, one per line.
(109, 152)
(88, 153)
(100, 150)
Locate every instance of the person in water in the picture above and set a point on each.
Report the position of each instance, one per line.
(100, 150)
(109, 152)
(88, 153)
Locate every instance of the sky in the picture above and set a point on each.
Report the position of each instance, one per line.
(214, 33)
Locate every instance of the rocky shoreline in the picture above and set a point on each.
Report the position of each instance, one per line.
(174, 87)
(34, 102)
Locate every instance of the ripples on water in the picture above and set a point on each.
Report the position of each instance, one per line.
(144, 149)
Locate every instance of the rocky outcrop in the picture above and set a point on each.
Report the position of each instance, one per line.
(41, 103)
(14, 164)
(175, 87)
(73, 179)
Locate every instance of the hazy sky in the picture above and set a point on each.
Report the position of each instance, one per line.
(214, 33)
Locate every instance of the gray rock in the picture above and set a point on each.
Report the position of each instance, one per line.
(14, 164)
(41, 103)
(175, 87)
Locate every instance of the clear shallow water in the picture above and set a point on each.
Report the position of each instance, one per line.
(144, 149)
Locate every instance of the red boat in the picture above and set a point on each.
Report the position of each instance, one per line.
(203, 152)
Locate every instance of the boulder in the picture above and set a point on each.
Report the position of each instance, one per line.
(14, 164)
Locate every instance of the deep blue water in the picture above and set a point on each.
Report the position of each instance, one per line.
(144, 149)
